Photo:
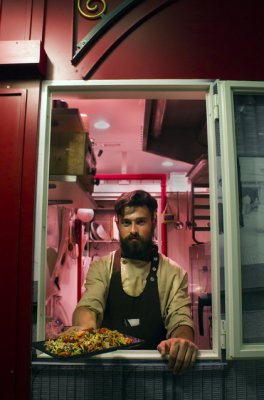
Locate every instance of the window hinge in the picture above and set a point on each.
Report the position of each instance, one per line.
(216, 106)
(223, 334)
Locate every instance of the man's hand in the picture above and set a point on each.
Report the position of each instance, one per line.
(182, 354)
(83, 317)
(72, 330)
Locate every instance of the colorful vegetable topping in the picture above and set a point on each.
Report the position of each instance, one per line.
(90, 340)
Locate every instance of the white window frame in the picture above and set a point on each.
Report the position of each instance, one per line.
(123, 89)
(235, 348)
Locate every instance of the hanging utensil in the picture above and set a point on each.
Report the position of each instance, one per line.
(72, 246)
(188, 224)
(178, 223)
(70, 241)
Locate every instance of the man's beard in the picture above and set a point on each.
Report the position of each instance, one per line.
(139, 249)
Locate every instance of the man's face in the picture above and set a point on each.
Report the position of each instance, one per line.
(136, 228)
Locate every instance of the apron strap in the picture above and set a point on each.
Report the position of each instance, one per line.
(117, 261)
(152, 276)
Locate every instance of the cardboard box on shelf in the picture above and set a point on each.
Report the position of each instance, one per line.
(68, 153)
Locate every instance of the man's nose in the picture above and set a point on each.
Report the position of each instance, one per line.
(133, 227)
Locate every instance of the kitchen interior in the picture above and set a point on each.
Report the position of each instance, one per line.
(101, 147)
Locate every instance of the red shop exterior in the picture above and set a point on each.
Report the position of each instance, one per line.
(39, 39)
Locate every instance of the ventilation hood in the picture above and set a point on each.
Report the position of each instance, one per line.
(176, 129)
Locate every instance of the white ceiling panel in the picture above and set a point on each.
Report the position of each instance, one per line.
(122, 142)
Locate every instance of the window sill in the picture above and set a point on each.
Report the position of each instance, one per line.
(205, 358)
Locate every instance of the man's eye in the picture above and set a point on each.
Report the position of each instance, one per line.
(141, 222)
(125, 223)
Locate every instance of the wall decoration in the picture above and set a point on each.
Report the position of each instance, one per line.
(111, 29)
(90, 10)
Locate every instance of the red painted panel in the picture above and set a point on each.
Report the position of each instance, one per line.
(26, 241)
(12, 117)
(18, 144)
(37, 20)
(15, 23)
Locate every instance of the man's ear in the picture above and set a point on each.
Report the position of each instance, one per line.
(155, 219)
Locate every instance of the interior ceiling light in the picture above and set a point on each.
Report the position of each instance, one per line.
(167, 163)
(101, 125)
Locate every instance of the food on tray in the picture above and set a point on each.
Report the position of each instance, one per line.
(75, 342)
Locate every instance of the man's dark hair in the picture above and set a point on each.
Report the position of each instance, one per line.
(134, 199)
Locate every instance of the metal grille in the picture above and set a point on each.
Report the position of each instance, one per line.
(243, 380)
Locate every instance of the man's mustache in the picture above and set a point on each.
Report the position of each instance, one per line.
(133, 236)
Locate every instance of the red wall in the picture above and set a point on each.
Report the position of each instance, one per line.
(187, 39)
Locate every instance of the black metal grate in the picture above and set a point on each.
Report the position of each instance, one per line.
(240, 380)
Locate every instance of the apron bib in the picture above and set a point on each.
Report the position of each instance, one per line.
(138, 316)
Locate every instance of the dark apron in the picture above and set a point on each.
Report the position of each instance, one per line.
(138, 316)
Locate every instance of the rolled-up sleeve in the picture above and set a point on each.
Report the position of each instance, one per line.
(175, 299)
(97, 286)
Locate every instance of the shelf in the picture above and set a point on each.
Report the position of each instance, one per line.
(103, 241)
(70, 190)
(85, 182)
(63, 178)
(104, 209)
(199, 174)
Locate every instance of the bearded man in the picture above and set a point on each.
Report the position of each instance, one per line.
(139, 291)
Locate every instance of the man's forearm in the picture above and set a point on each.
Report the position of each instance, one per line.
(180, 348)
(84, 317)
(184, 332)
